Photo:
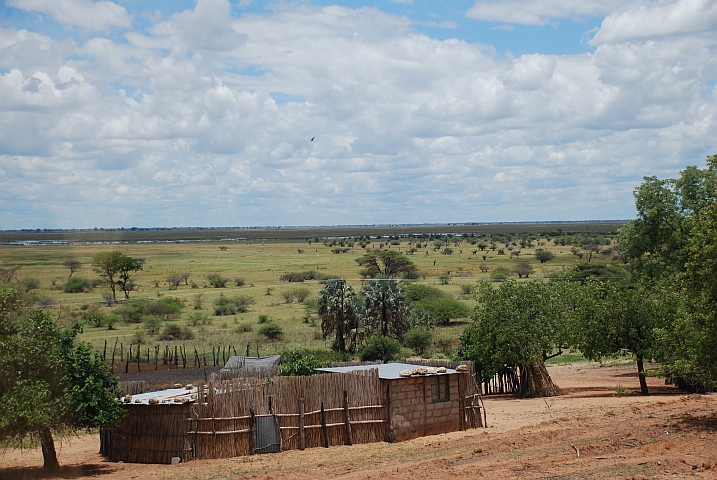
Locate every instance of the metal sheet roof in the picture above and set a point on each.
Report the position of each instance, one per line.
(387, 371)
(171, 396)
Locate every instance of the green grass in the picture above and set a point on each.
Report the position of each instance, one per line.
(261, 265)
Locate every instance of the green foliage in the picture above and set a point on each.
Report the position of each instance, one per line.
(515, 325)
(418, 340)
(271, 331)
(172, 331)
(29, 284)
(544, 255)
(116, 269)
(302, 276)
(500, 274)
(167, 307)
(386, 307)
(388, 263)
(78, 285)
(380, 348)
(48, 382)
(198, 318)
(439, 305)
(339, 312)
(133, 311)
(523, 269)
(299, 364)
(217, 281)
(232, 305)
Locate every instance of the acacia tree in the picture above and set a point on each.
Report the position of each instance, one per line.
(386, 308)
(48, 383)
(73, 265)
(116, 269)
(339, 313)
(387, 263)
(518, 325)
(544, 255)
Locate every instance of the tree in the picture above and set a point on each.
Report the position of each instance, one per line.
(670, 245)
(73, 265)
(48, 383)
(339, 313)
(544, 255)
(386, 308)
(387, 263)
(612, 318)
(440, 306)
(523, 269)
(116, 269)
(518, 325)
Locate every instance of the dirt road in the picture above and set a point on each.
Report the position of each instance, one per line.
(587, 433)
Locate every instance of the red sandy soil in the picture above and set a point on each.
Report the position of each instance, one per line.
(587, 433)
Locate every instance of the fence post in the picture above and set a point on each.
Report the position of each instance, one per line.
(323, 426)
(347, 420)
(252, 428)
(302, 433)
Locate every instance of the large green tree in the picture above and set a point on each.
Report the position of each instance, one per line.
(116, 269)
(49, 384)
(386, 308)
(612, 318)
(670, 245)
(518, 326)
(340, 314)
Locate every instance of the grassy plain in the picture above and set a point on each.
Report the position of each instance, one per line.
(260, 264)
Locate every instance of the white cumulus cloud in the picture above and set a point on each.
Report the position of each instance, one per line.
(539, 12)
(86, 14)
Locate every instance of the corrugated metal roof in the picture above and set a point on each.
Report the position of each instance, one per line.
(171, 395)
(387, 371)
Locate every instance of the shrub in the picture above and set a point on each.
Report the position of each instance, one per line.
(217, 281)
(302, 276)
(232, 305)
(165, 307)
(271, 331)
(466, 289)
(301, 293)
(198, 318)
(417, 339)
(380, 348)
(239, 281)
(152, 324)
(94, 317)
(78, 285)
(244, 328)
(175, 332)
(132, 311)
(444, 309)
(298, 364)
(444, 279)
(500, 274)
(264, 319)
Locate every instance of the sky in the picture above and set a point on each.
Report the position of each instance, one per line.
(202, 113)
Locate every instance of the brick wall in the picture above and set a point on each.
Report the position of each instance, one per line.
(413, 413)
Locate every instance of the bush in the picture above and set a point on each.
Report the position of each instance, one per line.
(132, 311)
(500, 274)
(302, 276)
(94, 317)
(217, 281)
(466, 289)
(152, 324)
(78, 285)
(244, 328)
(444, 309)
(298, 364)
(271, 331)
(165, 307)
(380, 348)
(417, 339)
(198, 318)
(239, 281)
(175, 332)
(264, 319)
(232, 305)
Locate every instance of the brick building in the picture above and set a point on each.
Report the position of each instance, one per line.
(422, 405)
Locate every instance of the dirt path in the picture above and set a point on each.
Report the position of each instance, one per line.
(588, 433)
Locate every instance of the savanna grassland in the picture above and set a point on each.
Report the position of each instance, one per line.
(253, 267)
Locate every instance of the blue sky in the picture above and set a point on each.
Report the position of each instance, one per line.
(200, 113)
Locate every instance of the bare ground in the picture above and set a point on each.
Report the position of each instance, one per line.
(587, 433)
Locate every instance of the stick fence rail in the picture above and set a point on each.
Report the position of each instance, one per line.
(249, 415)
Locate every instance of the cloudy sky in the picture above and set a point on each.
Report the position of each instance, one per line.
(201, 113)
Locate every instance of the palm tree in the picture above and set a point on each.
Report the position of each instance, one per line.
(339, 312)
(386, 308)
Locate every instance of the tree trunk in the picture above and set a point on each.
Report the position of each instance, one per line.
(641, 375)
(49, 455)
(535, 381)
